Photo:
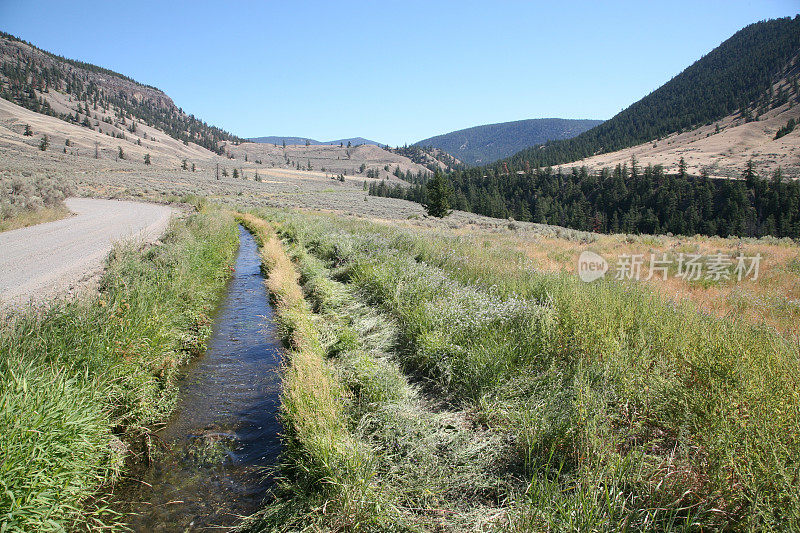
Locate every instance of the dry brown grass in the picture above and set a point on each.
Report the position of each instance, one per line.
(773, 299)
(31, 218)
(721, 153)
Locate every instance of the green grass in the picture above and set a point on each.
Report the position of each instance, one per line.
(329, 468)
(80, 380)
(615, 409)
(425, 466)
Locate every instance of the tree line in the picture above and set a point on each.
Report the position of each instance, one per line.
(624, 200)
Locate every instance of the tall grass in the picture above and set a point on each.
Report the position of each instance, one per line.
(81, 379)
(623, 411)
(327, 467)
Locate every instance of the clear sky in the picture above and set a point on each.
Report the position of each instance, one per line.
(395, 72)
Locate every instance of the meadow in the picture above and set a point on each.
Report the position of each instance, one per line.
(439, 376)
(442, 385)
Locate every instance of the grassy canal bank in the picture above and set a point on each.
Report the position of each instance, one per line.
(438, 385)
(82, 382)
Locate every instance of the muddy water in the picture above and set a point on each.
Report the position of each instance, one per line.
(211, 461)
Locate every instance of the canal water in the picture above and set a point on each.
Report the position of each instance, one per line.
(211, 462)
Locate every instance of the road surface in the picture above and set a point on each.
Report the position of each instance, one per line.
(47, 260)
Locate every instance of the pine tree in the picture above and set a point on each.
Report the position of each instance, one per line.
(28, 130)
(439, 190)
(749, 173)
(146, 159)
(45, 142)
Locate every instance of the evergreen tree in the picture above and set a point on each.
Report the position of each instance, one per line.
(146, 159)
(439, 191)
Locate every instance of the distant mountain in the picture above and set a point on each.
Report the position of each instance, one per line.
(481, 145)
(354, 141)
(638, 172)
(731, 78)
(279, 140)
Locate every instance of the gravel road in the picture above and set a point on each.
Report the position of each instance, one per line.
(47, 260)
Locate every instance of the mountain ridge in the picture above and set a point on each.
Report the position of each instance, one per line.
(730, 78)
(33, 78)
(278, 139)
(487, 143)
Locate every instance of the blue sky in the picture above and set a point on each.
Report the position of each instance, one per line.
(395, 72)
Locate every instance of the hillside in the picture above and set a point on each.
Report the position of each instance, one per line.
(100, 133)
(722, 148)
(430, 157)
(733, 78)
(481, 145)
(669, 183)
(353, 141)
(94, 97)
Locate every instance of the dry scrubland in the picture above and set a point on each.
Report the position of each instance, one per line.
(773, 298)
(87, 162)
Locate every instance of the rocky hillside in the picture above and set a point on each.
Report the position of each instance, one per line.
(273, 139)
(54, 105)
(94, 97)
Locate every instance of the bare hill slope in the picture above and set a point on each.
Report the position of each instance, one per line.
(100, 123)
(720, 149)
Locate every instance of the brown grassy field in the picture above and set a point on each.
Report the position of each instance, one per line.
(773, 299)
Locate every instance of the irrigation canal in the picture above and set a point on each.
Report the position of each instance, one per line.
(211, 461)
